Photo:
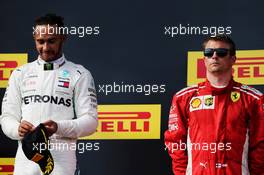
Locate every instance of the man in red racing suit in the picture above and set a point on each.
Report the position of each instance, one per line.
(217, 126)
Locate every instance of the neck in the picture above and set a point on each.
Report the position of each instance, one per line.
(52, 59)
(219, 79)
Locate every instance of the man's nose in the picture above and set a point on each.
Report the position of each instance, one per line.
(46, 46)
(214, 55)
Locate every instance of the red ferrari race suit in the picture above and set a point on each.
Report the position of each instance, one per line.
(216, 131)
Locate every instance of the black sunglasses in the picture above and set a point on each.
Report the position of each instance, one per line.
(220, 52)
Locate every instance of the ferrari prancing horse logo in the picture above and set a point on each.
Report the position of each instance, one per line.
(235, 96)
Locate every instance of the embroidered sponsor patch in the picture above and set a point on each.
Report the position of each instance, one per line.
(65, 74)
(48, 66)
(235, 96)
(209, 101)
(202, 102)
(64, 84)
(172, 108)
(173, 122)
(196, 103)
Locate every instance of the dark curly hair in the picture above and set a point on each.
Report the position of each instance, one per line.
(51, 19)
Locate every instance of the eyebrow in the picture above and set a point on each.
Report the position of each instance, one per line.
(48, 39)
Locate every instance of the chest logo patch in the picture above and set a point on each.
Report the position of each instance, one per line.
(65, 74)
(195, 103)
(235, 96)
(202, 103)
(208, 101)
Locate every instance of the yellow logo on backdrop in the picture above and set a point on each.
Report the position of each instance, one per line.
(8, 62)
(128, 122)
(248, 69)
(7, 166)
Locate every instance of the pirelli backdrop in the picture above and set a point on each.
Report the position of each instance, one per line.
(140, 53)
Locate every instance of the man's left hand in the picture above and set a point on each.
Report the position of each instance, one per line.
(51, 127)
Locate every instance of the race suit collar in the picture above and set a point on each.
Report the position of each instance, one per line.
(51, 65)
(217, 91)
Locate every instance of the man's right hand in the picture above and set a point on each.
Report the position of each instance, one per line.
(24, 128)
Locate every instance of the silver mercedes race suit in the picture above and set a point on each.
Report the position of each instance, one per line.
(60, 91)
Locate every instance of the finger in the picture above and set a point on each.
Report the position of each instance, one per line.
(51, 130)
(24, 122)
(21, 134)
(25, 127)
(48, 122)
(48, 127)
(24, 131)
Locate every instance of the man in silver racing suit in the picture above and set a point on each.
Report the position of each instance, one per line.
(53, 91)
